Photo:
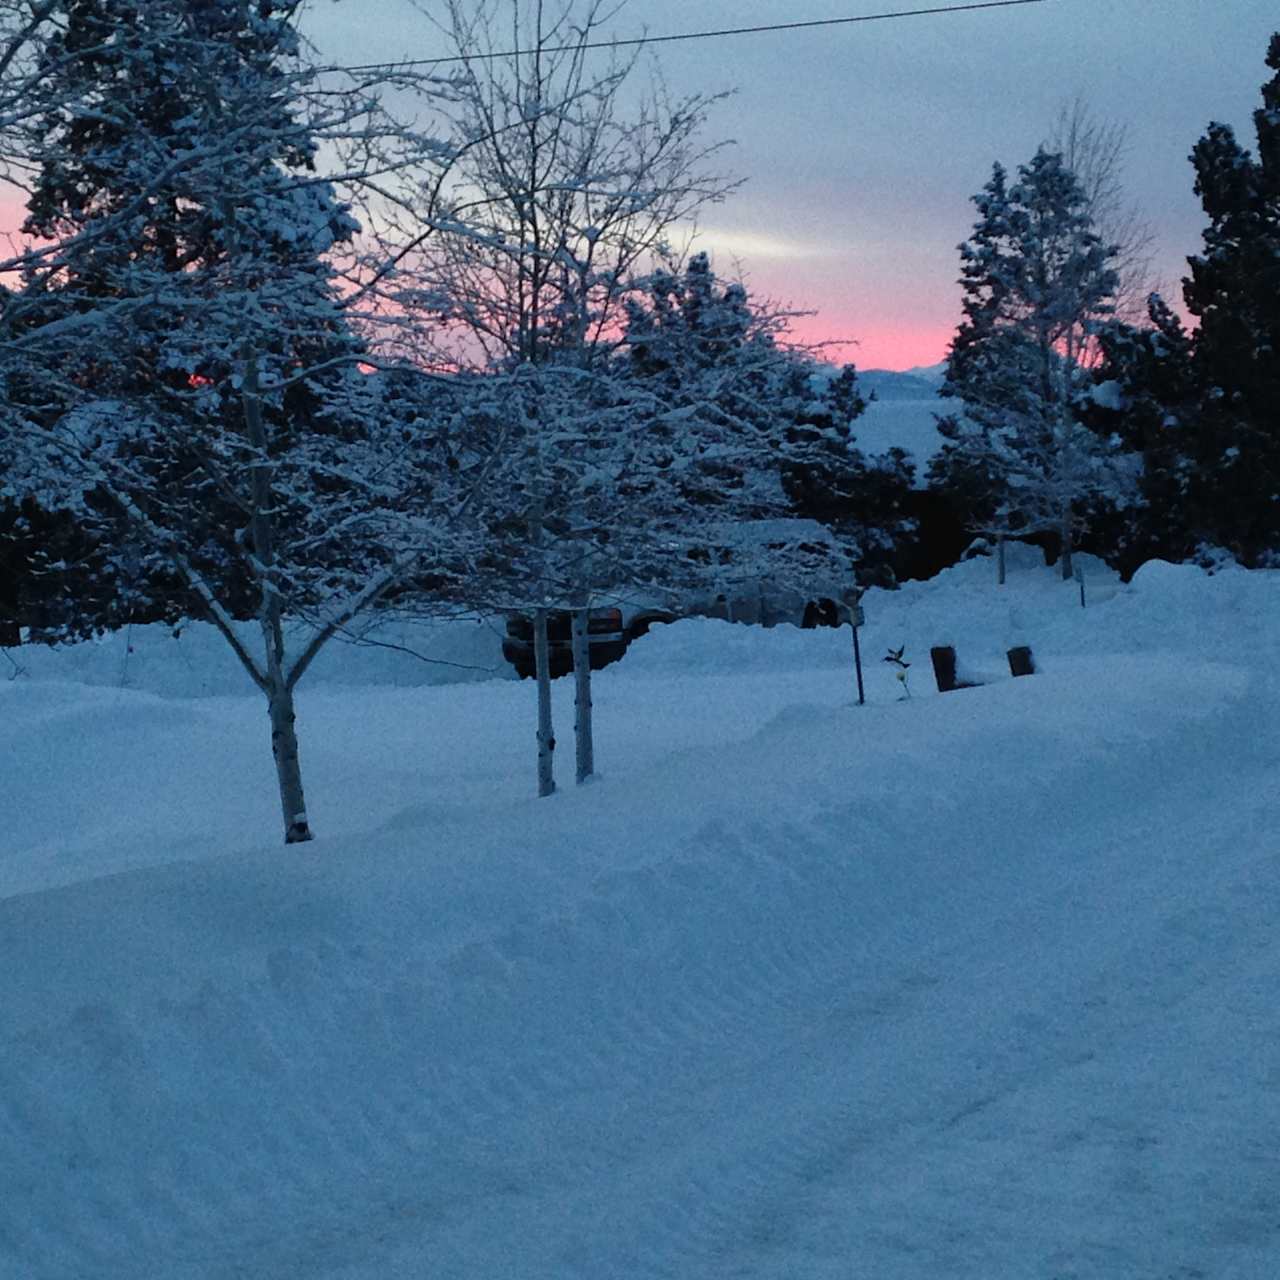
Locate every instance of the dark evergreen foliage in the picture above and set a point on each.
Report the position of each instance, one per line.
(171, 149)
(1147, 406)
(1201, 410)
(1037, 282)
(1234, 292)
(688, 328)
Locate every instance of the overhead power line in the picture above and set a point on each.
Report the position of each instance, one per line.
(700, 35)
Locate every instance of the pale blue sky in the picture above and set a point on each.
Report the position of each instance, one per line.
(861, 145)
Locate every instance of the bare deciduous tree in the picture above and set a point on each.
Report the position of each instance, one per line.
(1097, 151)
(179, 354)
(566, 186)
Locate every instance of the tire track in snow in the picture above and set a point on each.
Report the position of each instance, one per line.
(546, 1068)
(273, 1105)
(699, 1221)
(805, 1169)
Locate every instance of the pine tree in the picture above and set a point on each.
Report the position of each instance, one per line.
(710, 365)
(1202, 409)
(829, 479)
(745, 429)
(1146, 404)
(157, 218)
(1037, 282)
(1234, 292)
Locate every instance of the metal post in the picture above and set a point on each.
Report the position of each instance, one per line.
(852, 601)
(857, 664)
(546, 734)
(584, 752)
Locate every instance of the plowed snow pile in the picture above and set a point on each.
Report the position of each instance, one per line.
(979, 986)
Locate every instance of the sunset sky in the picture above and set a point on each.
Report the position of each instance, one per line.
(861, 145)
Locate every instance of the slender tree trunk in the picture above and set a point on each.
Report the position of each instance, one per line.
(284, 747)
(284, 738)
(584, 746)
(1068, 567)
(546, 735)
(1000, 561)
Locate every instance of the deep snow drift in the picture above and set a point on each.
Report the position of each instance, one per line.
(978, 985)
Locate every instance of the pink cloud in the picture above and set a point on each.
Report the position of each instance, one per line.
(857, 340)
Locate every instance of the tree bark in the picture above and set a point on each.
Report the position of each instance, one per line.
(1000, 561)
(546, 734)
(284, 738)
(584, 746)
(1068, 568)
(284, 747)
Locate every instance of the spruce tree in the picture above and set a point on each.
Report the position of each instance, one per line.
(828, 478)
(170, 172)
(1037, 282)
(1234, 293)
(1146, 403)
(759, 432)
(1201, 409)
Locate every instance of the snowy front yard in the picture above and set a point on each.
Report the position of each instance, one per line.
(978, 985)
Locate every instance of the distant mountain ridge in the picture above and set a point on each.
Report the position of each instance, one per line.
(922, 383)
(929, 372)
(889, 384)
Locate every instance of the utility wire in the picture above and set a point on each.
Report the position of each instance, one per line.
(697, 35)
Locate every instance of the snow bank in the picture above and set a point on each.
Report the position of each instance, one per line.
(1232, 615)
(193, 660)
(1176, 608)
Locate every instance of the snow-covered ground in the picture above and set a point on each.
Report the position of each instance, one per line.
(905, 424)
(979, 985)
(903, 414)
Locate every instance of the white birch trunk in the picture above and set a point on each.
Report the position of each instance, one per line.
(279, 691)
(284, 747)
(584, 746)
(546, 734)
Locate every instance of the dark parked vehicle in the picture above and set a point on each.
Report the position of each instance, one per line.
(609, 632)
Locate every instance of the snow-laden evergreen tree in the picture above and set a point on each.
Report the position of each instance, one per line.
(862, 498)
(56, 579)
(1145, 402)
(1234, 293)
(761, 433)
(129, 182)
(1037, 282)
(1202, 408)
(178, 359)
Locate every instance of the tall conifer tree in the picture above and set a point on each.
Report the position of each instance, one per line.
(1234, 292)
(1037, 282)
(1202, 408)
